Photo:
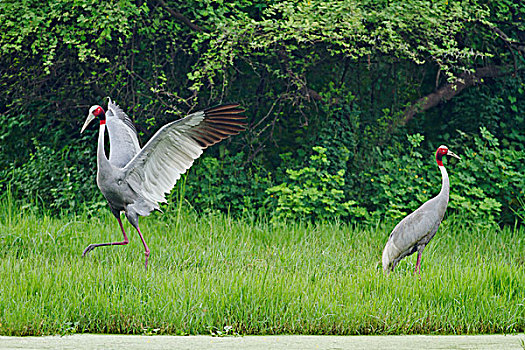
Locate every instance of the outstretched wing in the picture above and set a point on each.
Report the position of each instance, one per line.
(123, 138)
(171, 151)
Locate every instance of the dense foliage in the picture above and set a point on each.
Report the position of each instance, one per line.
(347, 100)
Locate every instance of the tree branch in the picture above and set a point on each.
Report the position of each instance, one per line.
(510, 42)
(450, 90)
(466, 80)
(179, 16)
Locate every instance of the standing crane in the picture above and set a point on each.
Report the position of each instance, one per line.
(414, 232)
(135, 180)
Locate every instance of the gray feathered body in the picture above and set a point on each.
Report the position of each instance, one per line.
(124, 145)
(414, 232)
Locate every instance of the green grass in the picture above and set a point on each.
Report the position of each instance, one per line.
(211, 272)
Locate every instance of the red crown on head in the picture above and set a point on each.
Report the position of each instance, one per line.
(441, 151)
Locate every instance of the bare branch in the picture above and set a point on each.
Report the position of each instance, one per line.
(510, 42)
(179, 16)
(450, 90)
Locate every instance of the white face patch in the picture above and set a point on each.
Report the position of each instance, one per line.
(92, 109)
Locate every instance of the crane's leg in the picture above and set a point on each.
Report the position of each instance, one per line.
(93, 246)
(146, 249)
(133, 218)
(418, 263)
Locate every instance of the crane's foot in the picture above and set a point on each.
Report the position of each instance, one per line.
(88, 249)
(95, 245)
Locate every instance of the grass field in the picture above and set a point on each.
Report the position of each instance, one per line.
(215, 275)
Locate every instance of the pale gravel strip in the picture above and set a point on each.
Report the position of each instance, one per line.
(288, 342)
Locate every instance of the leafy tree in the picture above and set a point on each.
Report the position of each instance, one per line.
(355, 75)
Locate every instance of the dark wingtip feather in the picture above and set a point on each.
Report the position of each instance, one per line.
(220, 122)
(225, 116)
(227, 124)
(226, 120)
(221, 108)
(232, 111)
(202, 143)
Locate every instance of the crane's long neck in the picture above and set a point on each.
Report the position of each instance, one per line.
(102, 160)
(445, 185)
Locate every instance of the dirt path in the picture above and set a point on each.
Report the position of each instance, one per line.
(93, 341)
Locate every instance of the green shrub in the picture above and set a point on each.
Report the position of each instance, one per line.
(59, 179)
(228, 184)
(489, 180)
(403, 181)
(313, 192)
